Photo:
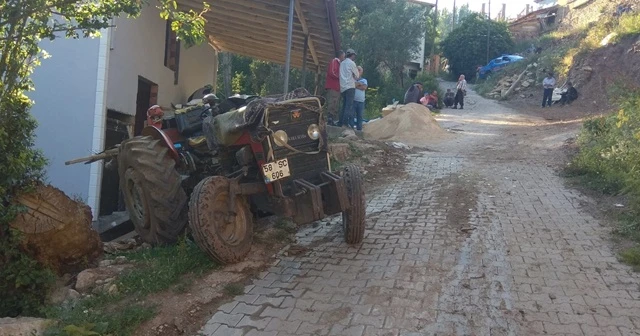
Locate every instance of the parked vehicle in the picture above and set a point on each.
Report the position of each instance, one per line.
(264, 154)
(497, 64)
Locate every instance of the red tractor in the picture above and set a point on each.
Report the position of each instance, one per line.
(263, 155)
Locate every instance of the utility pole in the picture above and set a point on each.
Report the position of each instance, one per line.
(488, 29)
(453, 18)
(435, 30)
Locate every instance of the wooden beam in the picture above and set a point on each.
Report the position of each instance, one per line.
(269, 57)
(257, 49)
(280, 8)
(251, 42)
(213, 45)
(305, 30)
(214, 81)
(257, 33)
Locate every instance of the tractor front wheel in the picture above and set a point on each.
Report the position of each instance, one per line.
(353, 219)
(224, 234)
(152, 190)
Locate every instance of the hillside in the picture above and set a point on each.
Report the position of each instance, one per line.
(595, 49)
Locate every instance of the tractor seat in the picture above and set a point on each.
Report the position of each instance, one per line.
(226, 128)
(197, 141)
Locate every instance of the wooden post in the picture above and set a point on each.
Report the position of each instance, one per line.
(287, 63)
(304, 61)
(315, 92)
(214, 81)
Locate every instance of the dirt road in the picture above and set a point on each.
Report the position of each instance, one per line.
(481, 238)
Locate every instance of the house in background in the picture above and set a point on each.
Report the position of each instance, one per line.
(93, 93)
(533, 24)
(418, 61)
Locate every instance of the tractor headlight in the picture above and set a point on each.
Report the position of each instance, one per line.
(313, 131)
(280, 138)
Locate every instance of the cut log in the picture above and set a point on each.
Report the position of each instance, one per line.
(56, 230)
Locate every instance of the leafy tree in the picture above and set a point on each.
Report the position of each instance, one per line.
(386, 34)
(23, 24)
(466, 46)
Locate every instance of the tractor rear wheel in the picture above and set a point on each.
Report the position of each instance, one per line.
(152, 190)
(353, 219)
(224, 234)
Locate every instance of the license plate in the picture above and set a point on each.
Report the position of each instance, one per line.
(274, 171)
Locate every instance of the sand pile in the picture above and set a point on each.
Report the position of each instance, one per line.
(411, 124)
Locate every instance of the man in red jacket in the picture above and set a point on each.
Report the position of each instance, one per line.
(332, 87)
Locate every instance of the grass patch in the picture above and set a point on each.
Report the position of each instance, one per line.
(631, 257)
(161, 267)
(155, 270)
(562, 48)
(608, 163)
(234, 289)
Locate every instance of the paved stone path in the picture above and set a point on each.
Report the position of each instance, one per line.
(481, 238)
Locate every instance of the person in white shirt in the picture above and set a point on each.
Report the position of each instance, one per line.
(461, 91)
(348, 76)
(548, 83)
(358, 99)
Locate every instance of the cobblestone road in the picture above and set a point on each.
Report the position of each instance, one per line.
(481, 238)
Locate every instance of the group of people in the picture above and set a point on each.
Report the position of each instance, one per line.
(344, 82)
(414, 95)
(566, 97)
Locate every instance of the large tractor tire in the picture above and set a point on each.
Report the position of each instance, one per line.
(226, 236)
(353, 219)
(152, 190)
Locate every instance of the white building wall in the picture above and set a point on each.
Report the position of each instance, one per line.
(137, 49)
(419, 56)
(65, 100)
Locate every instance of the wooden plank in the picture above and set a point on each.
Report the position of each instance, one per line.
(257, 24)
(305, 30)
(258, 27)
(277, 59)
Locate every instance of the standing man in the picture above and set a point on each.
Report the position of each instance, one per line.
(358, 99)
(348, 76)
(461, 91)
(548, 84)
(332, 88)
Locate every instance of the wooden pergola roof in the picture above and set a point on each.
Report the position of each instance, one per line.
(258, 29)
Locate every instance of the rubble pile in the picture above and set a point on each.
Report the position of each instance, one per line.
(527, 80)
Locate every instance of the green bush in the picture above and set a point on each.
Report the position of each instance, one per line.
(609, 151)
(629, 25)
(24, 284)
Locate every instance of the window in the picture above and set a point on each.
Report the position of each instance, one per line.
(172, 51)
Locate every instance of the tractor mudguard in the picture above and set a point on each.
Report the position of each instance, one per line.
(165, 140)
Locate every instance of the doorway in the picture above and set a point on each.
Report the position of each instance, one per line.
(119, 127)
(147, 97)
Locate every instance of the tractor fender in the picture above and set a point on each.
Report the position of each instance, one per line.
(159, 134)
